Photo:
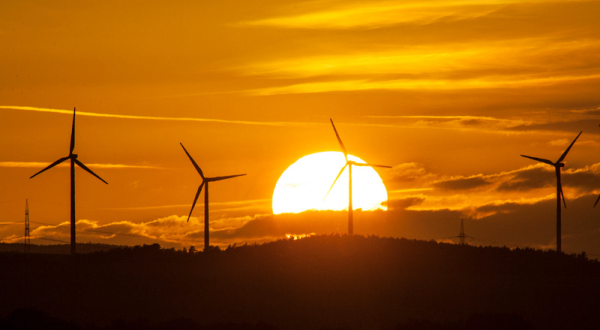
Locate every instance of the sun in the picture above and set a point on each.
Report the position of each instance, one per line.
(304, 185)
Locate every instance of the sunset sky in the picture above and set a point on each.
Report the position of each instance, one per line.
(449, 93)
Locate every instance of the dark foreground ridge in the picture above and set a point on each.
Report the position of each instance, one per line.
(321, 282)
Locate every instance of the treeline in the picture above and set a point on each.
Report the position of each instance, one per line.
(55, 248)
(326, 281)
(26, 319)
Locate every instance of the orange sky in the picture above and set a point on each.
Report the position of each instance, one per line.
(448, 92)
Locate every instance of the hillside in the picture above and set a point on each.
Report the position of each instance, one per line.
(57, 248)
(322, 281)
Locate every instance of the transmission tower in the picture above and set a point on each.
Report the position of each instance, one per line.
(462, 232)
(463, 237)
(27, 243)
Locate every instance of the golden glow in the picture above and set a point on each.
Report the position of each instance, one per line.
(304, 185)
(299, 236)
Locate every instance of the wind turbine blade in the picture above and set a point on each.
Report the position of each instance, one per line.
(50, 166)
(371, 165)
(539, 160)
(193, 162)
(334, 181)
(195, 199)
(72, 135)
(597, 201)
(563, 196)
(339, 140)
(569, 148)
(219, 178)
(90, 171)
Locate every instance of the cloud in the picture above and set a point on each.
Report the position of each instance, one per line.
(559, 143)
(42, 165)
(533, 177)
(585, 180)
(564, 124)
(167, 230)
(422, 84)
(514, 223)
(408, 172)
(463, 183)
(404, 203)
(377, 14)
(495, 64)
(528, 179)
(189, 119)
(529, 185)
(457, 122)
(220, 206)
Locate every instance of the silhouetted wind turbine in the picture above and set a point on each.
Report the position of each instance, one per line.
(559, 191)
(204, 181)
(349, 163)
(73, 158)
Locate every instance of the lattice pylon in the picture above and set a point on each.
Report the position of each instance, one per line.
(27, 237)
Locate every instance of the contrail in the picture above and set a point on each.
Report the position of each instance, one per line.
(204, 120)
(44, 164)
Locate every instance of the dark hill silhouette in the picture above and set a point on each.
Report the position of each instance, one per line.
(57, 248)
(318, 282)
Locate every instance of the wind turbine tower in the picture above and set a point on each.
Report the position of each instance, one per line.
(349, 163)
(27, 237)
(559, 192)
(205, 181)
(73, 158)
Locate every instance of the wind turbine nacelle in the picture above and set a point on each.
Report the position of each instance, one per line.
(561, 164)
(74, 156)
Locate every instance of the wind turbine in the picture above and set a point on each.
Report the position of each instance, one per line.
(204, 181)
(349, 163)
(73, 158)
(559, 192)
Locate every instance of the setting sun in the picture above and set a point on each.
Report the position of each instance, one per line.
(304, 185)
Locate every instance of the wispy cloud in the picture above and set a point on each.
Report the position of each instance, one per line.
(514, 63)
(479, 123)
(44, 164)
(188, 119)
(420, 84)
(483, 118)
(215, 206)
(374, 14)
